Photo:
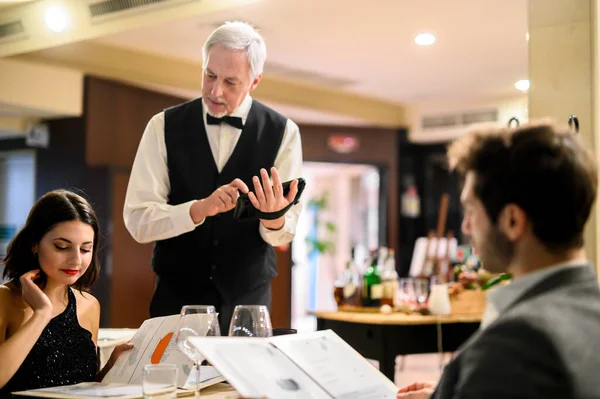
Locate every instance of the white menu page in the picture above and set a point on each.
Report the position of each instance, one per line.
(314, 365)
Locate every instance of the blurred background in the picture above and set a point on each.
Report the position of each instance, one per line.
(378, 89)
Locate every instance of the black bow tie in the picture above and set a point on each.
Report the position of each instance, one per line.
(231, 120)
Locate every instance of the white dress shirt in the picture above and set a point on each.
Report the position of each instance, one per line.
(499, 298)
(146, 213)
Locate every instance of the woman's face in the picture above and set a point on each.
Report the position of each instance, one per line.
(65, 252)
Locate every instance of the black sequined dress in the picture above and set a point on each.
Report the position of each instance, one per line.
(64, 354)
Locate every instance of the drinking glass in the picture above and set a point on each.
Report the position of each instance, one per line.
(196, 321)
(250, 321)
(421, 287)
(159, 381)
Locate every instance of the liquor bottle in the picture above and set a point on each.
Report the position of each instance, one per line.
(351, 279)
(389, 280)
(372, 287)
(347, 287)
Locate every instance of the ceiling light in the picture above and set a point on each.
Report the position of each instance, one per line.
(425, 39)
(522, 85)
(57, 18)
(527, 36)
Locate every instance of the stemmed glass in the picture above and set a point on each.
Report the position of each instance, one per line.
(250, 321)
(407, 292)
(421, 287)
(196, 321)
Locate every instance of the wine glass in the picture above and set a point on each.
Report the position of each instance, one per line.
(421, 287)
(407, 289)
(196, 321)
(250, 321)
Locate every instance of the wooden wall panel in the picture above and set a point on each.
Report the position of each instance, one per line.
(281, 286)
(132, 278)
(116, 116)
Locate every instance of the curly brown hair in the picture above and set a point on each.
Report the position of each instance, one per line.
(543, 169)
(54, 207)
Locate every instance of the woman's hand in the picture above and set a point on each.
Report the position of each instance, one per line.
(119, 349)
(33, 295)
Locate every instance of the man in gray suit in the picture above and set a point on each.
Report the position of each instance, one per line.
(527, 195)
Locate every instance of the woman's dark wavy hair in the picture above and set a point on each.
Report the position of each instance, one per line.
(53, 208)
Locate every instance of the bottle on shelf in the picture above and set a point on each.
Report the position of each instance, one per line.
(389, 280)
(352, 285)
(347, 287)
(372, 289)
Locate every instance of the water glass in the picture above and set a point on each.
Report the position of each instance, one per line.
(159, 381)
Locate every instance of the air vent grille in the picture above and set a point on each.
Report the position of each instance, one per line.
(460, 119)
(112, 6)
(11, 29)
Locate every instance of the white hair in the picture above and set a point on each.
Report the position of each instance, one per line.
(239, 36)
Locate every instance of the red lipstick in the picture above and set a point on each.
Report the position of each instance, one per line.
(70, 272)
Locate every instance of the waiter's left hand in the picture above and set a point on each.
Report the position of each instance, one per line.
(267, 198)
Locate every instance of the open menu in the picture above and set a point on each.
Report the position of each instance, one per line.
(313, 365)
(153, 343)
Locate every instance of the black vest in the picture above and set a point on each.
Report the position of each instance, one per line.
(222, 251)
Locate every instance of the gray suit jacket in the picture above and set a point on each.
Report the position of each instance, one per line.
(545, 345)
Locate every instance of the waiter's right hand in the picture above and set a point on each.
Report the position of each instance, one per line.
(223, 199)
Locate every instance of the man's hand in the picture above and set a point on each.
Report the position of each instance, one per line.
(223, 199)
(417, 390)
(269, 198)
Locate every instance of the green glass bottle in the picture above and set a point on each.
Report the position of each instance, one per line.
(372, 287)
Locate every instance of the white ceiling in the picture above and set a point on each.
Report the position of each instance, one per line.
(6, 4)
(367, 47)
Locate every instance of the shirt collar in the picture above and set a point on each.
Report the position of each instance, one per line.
(241, 111)
(501, 297)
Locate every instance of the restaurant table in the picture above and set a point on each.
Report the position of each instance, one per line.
(383, 337)
(219, 391)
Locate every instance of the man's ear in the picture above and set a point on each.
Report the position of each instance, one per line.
(255, 82)
(512, 221)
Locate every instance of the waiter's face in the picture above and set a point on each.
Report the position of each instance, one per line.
(226, 80)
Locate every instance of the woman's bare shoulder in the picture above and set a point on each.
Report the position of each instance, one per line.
(86, 302)
(10, 298)
(10, 291)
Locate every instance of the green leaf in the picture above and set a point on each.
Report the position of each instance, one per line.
(495, 280)
(330, 227)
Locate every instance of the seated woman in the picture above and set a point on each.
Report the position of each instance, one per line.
(48, 319)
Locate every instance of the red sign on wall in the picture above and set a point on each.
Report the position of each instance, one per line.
(342, 143)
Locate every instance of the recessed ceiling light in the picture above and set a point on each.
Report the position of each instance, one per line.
(57, 18)
(425, 39)
(522, 85)
(527, 36)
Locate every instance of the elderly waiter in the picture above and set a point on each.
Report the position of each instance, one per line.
(192, 163)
